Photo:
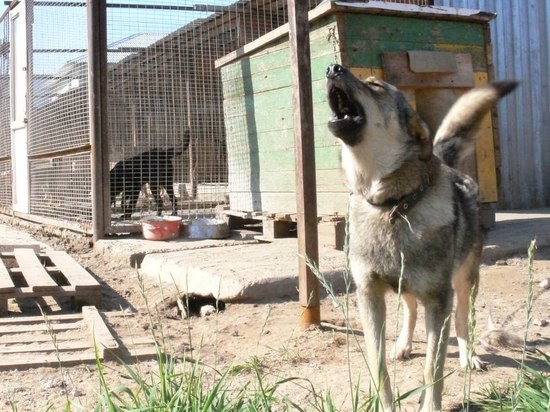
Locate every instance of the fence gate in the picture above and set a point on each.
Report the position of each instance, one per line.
(18, 91)
(5, 118)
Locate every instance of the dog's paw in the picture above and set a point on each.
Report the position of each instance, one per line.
(474, 363)
(401, 351)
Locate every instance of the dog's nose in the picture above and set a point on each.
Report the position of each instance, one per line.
(334, 70)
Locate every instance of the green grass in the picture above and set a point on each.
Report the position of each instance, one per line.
(530, 391)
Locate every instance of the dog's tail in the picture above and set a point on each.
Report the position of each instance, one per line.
(455, 138)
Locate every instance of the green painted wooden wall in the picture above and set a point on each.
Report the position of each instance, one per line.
(258, 102)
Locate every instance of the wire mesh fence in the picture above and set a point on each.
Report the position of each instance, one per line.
(5, 131)
(166, 119)
(58, 142)
(166, 133)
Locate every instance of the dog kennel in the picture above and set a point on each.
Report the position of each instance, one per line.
(432, 54)
(152, 65)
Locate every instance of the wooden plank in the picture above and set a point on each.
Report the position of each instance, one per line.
(398, 73)
(47, 360)
(432, 62)
(130, 341)
(77, 276)
(28, 292)
(7, 248)
(485, 154)
(35, 275)
(363, 73)
(412, 30)
(306, 197)
(10, 254)
(478, 53)
(38, 319)
(30, 348)
(143, 352)
(55, 327)
(327, 203)
(6, 282)
(35, 338)
(100, 335)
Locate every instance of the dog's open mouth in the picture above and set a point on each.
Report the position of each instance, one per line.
(348, 117)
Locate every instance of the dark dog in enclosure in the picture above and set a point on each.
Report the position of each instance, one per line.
(154, 167)
(413, 218)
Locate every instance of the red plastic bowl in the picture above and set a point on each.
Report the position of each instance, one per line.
(161, 228)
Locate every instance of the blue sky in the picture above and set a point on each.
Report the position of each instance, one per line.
(62, 27)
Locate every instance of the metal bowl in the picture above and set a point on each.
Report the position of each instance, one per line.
(206, 229)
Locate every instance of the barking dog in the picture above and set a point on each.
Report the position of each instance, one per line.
(154, 167)
(410, 209)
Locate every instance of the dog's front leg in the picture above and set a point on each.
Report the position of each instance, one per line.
(438, 311)
(465, 282)
(403, 346)
(372, 308)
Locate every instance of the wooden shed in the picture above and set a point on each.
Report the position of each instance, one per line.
(432, 54)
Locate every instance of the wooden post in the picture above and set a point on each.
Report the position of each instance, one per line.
(306, 191)
(97, 80)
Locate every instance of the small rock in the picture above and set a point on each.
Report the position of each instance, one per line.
(48, 384)
(541, 322)
(173, 313)
(545, 284)
(77, 392)
(207, 310)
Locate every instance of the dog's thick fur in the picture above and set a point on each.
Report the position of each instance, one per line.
(409, 210)
(154, 167)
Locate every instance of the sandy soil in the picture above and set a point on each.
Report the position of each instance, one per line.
(267, 334)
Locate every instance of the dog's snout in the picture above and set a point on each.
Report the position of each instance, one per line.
(334, 70)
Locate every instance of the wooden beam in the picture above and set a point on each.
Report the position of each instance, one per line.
(35, 275)
(97, 78)
(306, 191)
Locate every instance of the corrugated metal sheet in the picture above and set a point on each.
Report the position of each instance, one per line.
(521, 49)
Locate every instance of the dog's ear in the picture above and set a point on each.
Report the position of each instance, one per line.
(418, 130)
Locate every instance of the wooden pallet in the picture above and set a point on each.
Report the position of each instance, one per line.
(68, 339)
(32, 274)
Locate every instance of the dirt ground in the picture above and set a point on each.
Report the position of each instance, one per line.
(267, 334)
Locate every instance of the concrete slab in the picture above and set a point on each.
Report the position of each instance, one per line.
(135, 248)
(513, 233)
(240, 272)
(11, 238)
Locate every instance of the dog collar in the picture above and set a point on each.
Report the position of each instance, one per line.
(407, 202)
(400, 207)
